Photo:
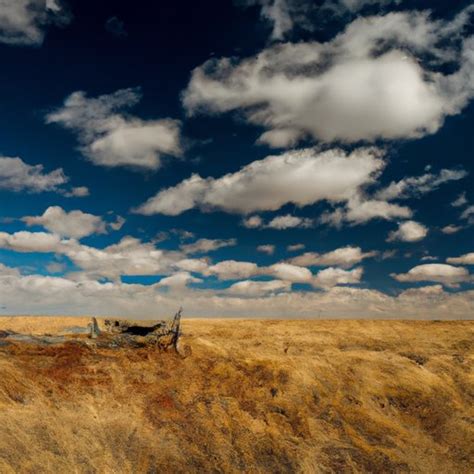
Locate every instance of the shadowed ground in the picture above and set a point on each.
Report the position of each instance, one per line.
(254, 396)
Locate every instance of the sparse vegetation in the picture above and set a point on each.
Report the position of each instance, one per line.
(255, 396)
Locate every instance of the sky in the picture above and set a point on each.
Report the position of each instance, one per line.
(239, 158)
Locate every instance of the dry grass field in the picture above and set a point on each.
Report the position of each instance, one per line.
(254, 396)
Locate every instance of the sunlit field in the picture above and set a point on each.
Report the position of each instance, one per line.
(254, 396)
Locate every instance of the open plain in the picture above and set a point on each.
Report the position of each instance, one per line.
(254, 396)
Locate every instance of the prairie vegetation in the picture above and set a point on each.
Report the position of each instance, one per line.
(254, 396)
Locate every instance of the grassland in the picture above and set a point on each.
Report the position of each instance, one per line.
(254, 396)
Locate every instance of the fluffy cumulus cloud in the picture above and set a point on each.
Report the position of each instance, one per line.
(207, 245)
(27, 242)
(359, 209)
(451, 229)
(300, 177)
(330, 277)
(466, 259)
(253, 222)
(239, 270)
(278, 222)
(250, 288)
(195, 265)
(24, 22)
(233, 270)
(75, 224)
(435, 272)
(111, 138)
(129, 256)
(8, 271)
(17, 176)
(179, 280)
(78, 191)
(37, 294)
(416, 186)
(290, 222)
(381, 78)
(344, 257)
(460, 200)
(409, 231)
(282, 271)
(269, 249)
(288, 272)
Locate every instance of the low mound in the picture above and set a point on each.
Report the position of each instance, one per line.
(254, 396)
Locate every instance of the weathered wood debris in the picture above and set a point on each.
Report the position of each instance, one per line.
(116, 333)
(120, 332)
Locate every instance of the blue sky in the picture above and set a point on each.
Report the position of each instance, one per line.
(279, 158)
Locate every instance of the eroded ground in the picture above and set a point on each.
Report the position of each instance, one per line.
(254, 396)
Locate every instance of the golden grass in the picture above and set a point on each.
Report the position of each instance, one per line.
(255, 396)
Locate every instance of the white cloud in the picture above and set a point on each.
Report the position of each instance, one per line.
(373, 81)
(196, 265)
(286, 15)
(178, 280)
(253, 222)
(437, 272)
(130, 256)
(288, 272)
(416, 186)
(451, 229)
(301, 177)
(266, 248)
(75, 224)
(289, 222)
(79, 191)
(24, 241)
(361, 209)
(295, 247)
(342, 8)
(16, 175)
(118, 224)
(37, 294)
(460, 200)
(281, 14)
(207, 245)
(468, 214)
(56, 267)
(283, 271)
(280, 138)
(343, 257)
(24, 22)
(278, 222)
(467, 259)
(251, 288)
(111, 138)
(233, 270)
(408, 231)
(330, 277)
(8, 271)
